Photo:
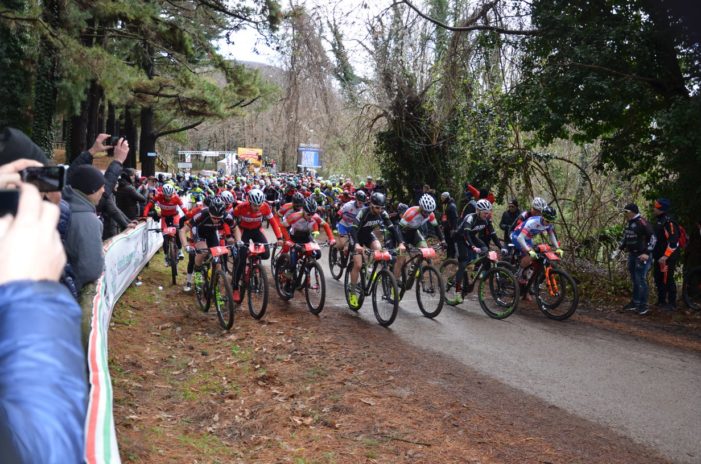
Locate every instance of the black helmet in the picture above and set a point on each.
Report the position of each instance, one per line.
(377, 199)
(297, 199)
(217, 206)
(361, 196)
(401, 208)
(549, 213)
(310, 205)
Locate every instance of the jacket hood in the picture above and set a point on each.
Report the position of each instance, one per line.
(78, 201)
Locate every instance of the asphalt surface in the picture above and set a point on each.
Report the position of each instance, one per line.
(645, 391)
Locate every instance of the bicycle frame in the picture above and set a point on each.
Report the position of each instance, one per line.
(382, 259)
(419, 256)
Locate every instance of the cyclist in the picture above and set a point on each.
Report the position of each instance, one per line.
(229, 200)
(361, 235)
(473, 236)
(295, 204)
(206, 229)
(537, 207)
(171, 207)
(411, 221)
(522, 237)
(303, 227)
(249, 215)
(348, 212)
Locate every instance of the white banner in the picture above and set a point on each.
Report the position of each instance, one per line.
(125, 256)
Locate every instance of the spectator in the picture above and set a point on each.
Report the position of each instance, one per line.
(15, 145)
(639, 242)
(666, 255)
(369, 186)
(380, 187)
(43, 382)
(128, 199)
(449, 220)
(85, 188)
(508, 219)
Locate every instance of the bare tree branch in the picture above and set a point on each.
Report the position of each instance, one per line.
(180, 129)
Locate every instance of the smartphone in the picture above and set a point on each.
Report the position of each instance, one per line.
(112, 142)
(9, 200)
(46, 178)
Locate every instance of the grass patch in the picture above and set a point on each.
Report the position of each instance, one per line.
(315, 373)
(206, 444)
(240, 354)
(204, 384)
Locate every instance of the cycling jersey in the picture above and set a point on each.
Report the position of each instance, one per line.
(169, 207)
(298, 225)
(253, 220)
(412, 220)
(205, 229)
(365, 222)
(522, 236)
(477, 232)
(348, 213)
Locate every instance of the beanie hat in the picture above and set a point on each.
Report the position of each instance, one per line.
(14, 145)
(631, 208)
(86, 178)
(663, 204)
(514, 202)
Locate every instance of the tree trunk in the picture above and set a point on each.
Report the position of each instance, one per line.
(77, 141)
(132, 135)
(93, 108)
(147, 143)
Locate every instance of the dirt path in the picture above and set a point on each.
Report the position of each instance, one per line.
(330, 389)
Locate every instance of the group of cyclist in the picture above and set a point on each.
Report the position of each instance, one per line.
(233, 210)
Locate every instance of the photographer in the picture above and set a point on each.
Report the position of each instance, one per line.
(43, 384)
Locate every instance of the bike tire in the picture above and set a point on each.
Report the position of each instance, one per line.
(224, 300)
(691, 288)
(257, 292)
(507, 265)
(173, 256)
(387, 307)
(315, 281)
(448, 270)
(335, 263)
(360, 290)
(273, 255)
(498, 293)
(557, 306)
(428, 286)
(202, 293)
(281, 281)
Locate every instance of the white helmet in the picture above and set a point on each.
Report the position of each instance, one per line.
(483, 205)
(228, 197)
(427, 203)
(539, 204)
(168, 190)
(256, 197)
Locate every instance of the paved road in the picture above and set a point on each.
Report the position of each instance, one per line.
(647, 392)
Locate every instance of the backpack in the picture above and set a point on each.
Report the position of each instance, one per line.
(683, 237)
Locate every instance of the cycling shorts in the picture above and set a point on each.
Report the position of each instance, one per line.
(414, 237)
(343, 230)
(517, 245)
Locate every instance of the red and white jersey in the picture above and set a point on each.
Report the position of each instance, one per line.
(250, 219)
(413, 219)
(170, 207)
(285, 210)
(297, 223)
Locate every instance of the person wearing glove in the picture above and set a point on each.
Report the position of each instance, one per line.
(303, 227)
(522, 238)
(639, 241)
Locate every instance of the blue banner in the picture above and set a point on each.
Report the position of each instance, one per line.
(309, 158)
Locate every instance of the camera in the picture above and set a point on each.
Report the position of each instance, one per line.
(45, 178)
(9, 200)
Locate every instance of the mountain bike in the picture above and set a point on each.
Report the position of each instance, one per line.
(171, 250)
(691, 288)
(306, 275)
(497, 287)
(555, 291)
(430, 287)
(254, 284)
(338, 260)
(212, 285)
(377, 281)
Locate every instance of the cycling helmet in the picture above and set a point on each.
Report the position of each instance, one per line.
(377, 199)
(361, 196)
(310, 205)
(297, 199)
(217, 207)
(256, 197)
(539, 204)
(401, 208)
(483, 205)
(427, 203)
(445, 196)
(168, 190)
(228, 197)
(276, 184)
(549, 213)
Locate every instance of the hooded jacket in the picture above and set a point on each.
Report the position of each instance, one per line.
(84, 238)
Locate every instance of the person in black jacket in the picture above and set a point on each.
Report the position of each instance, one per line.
(666, 255)
(639, 241)
(128, 199)
(449, 221)
(508, 219)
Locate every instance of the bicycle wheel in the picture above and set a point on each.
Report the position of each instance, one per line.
(430, 291)
(257, 291)
(508, 266)
(202, 293)
(273, 255)
(498, 293)
(315, 287)
(224, 300)
(385, 301)
(691, 289)
(173, 256)
(283, 284)
(360, 287)
(335, 263)
(448, 270)
(556, 295)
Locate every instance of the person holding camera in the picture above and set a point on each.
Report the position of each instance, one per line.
(639, 241)
(43, 382)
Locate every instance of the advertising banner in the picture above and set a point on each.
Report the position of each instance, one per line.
(125, 256)
(253, 155)
(309, 157)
